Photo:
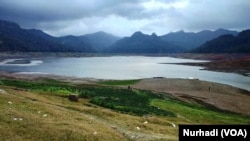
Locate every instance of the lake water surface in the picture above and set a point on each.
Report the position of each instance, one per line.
(123, 67)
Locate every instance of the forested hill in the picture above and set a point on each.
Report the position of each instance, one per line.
(191, 40)
(142, 43)
(227, 44)
(15, 39)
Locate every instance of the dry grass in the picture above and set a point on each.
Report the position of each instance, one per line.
(40, 116)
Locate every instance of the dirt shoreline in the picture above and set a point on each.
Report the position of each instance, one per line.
(216, 95)
(236, 63)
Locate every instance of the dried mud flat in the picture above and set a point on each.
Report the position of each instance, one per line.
(212, 94)
(191, 90)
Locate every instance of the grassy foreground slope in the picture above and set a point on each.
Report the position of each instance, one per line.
(42, 111)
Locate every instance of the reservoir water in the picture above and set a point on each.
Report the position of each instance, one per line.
(122, 67)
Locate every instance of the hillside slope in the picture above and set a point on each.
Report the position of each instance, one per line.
(191, 40)
(227, 44)
(15, 39)
(100, 40)
(142, 43)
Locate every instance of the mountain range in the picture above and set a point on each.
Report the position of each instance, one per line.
(227, 44)
(191, 40)
(142, 43)
(13, 38)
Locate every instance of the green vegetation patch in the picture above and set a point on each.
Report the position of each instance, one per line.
(124, 100)
(199, 114)
(1, 83)
(120, 82)
(41, 86)
(129, 101)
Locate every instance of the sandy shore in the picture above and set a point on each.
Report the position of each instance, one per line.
(190, 90)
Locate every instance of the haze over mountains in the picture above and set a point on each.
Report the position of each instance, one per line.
(15, 39)
(100, 41)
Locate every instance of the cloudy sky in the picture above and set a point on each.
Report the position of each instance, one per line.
(124, 17)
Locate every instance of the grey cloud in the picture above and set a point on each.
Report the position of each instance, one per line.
(44, 10)
(76, 16)
(56, 9)
(212, 15)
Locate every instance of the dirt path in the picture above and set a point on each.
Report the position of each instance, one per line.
(221, 96)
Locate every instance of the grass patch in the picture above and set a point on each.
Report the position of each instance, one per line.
(128, 101)
(195, 113)
(135, 102)
(120, 82)
(57, 88)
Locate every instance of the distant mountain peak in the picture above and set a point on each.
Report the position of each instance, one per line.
(7, 24)
(137, 33)
(180, 31)
(101, 33)
(245, 33)
(221, 29)
(100, 40)
(206, 31)
(154, 35)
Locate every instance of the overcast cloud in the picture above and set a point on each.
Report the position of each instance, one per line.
(124, 17)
